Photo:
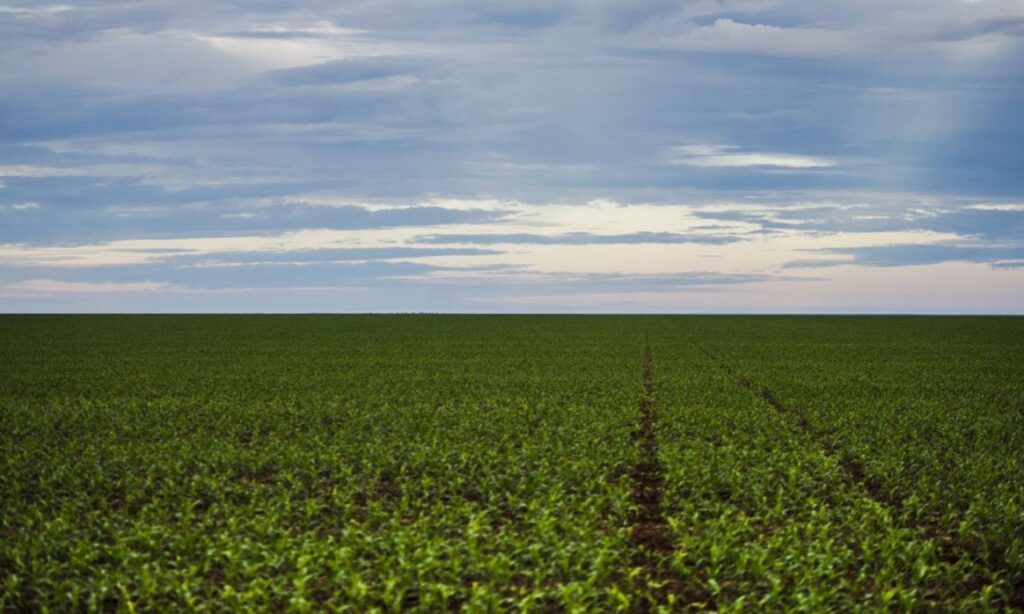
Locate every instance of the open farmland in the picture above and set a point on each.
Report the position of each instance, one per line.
(234, 463)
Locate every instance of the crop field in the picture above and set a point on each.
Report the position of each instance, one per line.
(528, 463)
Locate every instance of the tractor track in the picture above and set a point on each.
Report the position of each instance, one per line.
(852, 469)
(948, 550)
(650, 533)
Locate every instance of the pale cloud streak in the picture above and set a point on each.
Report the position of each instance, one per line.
(726, 35)
(730, 156)
(44, 287)
(36, 11)
(276, 46)
(997, 207)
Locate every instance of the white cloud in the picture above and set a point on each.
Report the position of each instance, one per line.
(35, 12)
(26, 206)
(34, 171)
(998, 207)
(278, 46)
(728, 156)
(726, 35)
(269, 54)
(41, 287)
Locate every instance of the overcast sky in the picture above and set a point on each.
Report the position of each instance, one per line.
(647, 156)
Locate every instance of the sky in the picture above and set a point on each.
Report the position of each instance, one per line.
(708, 156)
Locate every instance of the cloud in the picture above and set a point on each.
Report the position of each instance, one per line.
(575, 238)
(36, 11)
(33, 171)
(911, 255)
(186, 142)
(25, 206)
(997, 207)
(318, 244)
(77, 219)
(568, 282)
(297, 273)
(42, 287)
(286, 47)
(351, 70)
(993, 221)
(726, 35)
(317, 256)
(843, 33)
(727, 156)
(1000, 223)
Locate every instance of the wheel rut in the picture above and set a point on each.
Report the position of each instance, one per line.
(948, 550)
(852, 469)
(650, 533)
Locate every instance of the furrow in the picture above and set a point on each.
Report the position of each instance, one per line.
(948, 550)
(650, 533)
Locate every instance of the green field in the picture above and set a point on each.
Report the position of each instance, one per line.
(233, 463)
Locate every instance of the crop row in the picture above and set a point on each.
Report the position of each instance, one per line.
(489, 463)
(400, 468)
(927, 413)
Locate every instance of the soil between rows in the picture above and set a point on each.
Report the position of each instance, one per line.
(649, 529)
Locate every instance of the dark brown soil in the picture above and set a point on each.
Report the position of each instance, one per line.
(649, 529)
